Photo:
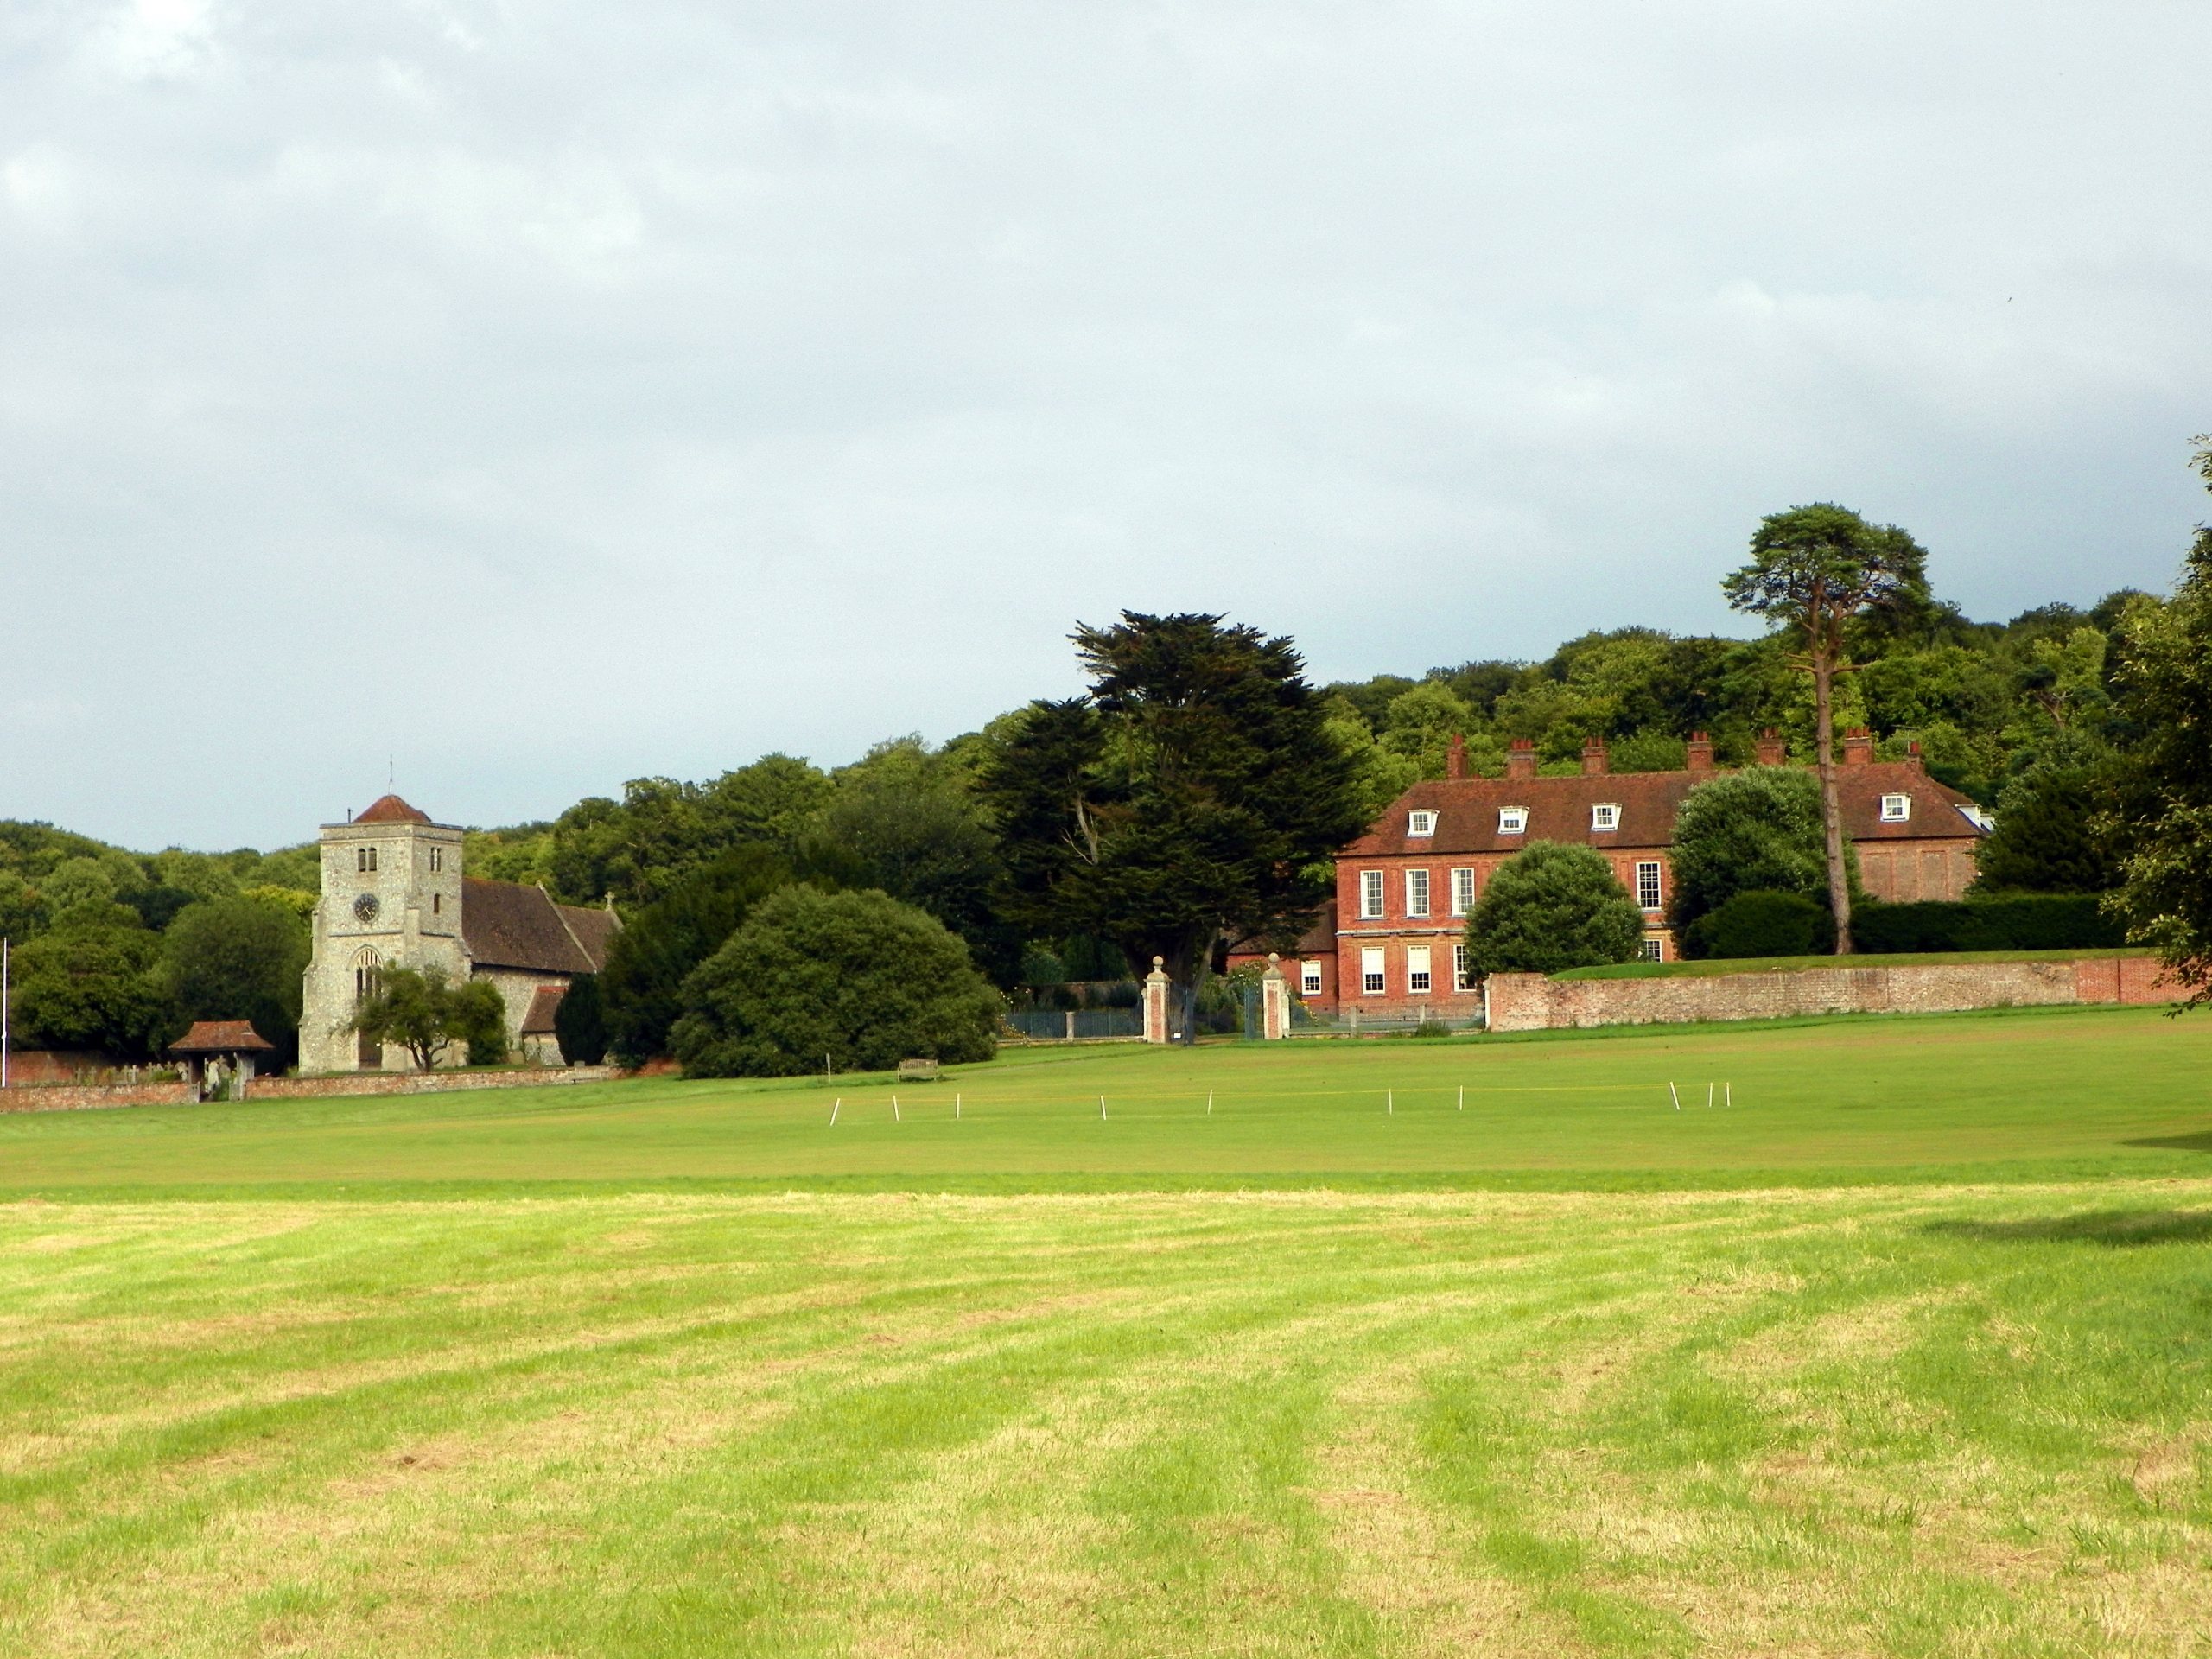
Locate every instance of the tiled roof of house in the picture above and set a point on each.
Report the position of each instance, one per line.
(1560, 809)
(1320, 938)
(544, 1002)
(389, 809)
(221, 1037)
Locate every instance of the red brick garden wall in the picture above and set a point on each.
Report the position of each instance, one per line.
(1535, 1002)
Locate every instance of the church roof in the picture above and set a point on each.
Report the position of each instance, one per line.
(545, 1003)
(594, 930)
(389, 809)
(506, 924)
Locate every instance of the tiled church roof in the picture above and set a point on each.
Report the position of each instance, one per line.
(389, 809)
(505, 925)
(544, 1002)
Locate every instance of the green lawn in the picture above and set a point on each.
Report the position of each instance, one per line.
(2026, 1094)
(1909, 1352)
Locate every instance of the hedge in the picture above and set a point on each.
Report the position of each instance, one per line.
(2027, 921)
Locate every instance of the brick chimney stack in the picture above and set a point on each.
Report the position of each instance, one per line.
(1699, 753)
(1858, 748)
(1521, 759)
(1594, 760)
(1455, 756)
(1772, 751)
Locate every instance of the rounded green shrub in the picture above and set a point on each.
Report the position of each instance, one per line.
(1550, 908)
(1762, 924)
(857, 978)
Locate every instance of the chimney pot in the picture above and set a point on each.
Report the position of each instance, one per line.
(1594, 760)
(1521, 759)
(1455, 756)
(1772, 751)
(1698, 753)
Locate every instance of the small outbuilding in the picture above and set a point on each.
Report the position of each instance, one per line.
(220, 1056)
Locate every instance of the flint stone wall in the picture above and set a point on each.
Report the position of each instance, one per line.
(74, 1097)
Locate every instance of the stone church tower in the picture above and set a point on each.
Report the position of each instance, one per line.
(393, 895)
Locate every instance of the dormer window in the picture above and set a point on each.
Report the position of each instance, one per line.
(1896, 809)
(1606, 815)
(1421, 823)
(1512, 820)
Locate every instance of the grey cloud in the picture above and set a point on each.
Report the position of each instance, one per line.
(549, 394)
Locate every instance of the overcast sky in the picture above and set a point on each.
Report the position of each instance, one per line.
(542, 395)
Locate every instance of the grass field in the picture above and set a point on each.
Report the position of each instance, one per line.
(1909, 1352)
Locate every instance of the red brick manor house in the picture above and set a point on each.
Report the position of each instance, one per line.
(1393, 944)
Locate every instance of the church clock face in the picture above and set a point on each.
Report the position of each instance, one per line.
(364, 907)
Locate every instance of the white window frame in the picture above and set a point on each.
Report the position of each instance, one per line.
(1606, 816)
(1421, 823)
(1309, 978)
(1896, 808)
(1420, 975)
(1373, 979)
(1461, 980)
(1649, 879)
(1371, 899)
(1462, 889)
(1512, 820)
(1417, 893)
(1655, 950)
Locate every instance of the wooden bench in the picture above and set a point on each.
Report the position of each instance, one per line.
(918, 1070)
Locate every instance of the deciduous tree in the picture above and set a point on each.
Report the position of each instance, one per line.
(1757, 830)
(426, 1014)
(2166, 895)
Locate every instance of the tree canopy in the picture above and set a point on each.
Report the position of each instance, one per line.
(239, 958)
(1194, 795)
(2166, 815)
(641, 985)
(1757, 830)
(856, 980)
(428, 1015)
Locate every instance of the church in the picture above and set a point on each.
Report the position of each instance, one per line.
(394, 896)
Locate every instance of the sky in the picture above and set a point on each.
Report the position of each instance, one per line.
(513, 398)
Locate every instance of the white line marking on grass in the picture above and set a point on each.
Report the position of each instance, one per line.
(956, 1109)
(840, 1101)
(1462, 1097)
(1678, 1099)
(1102, 1108)
(1708, 1097)
(1391, 1101)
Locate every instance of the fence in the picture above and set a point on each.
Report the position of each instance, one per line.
(1075, 1024)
